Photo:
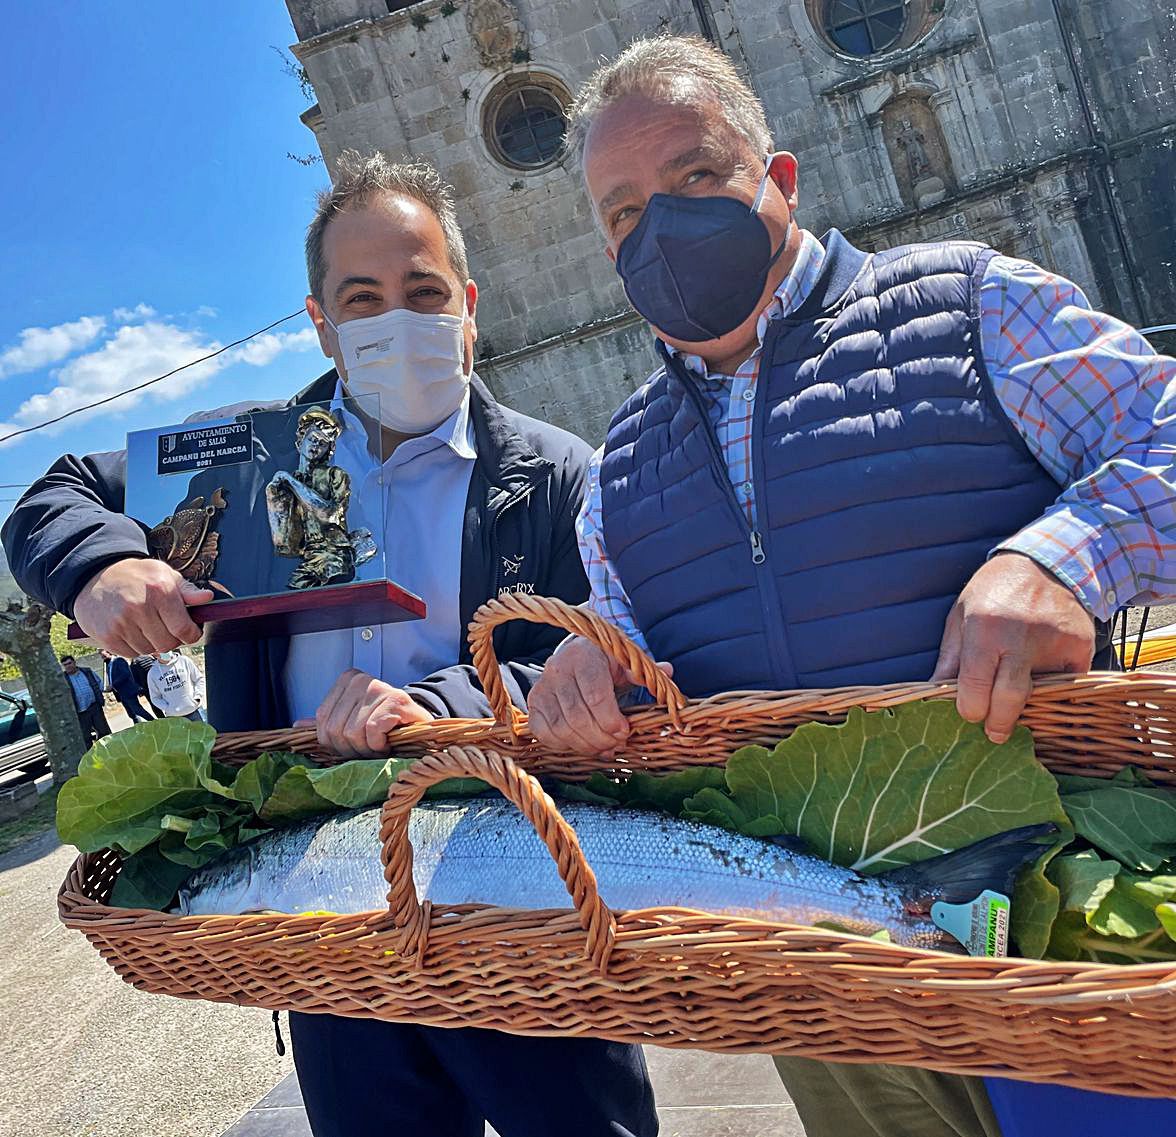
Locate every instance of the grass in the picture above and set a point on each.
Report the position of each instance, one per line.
(40, 819)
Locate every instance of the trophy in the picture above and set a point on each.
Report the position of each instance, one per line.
(280, 513)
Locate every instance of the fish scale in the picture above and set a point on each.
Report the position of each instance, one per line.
(483, 851)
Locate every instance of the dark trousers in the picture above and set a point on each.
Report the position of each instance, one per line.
(94, 724)
(134, 708)
(366, 1078)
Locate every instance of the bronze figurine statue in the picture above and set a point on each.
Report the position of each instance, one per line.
(308, 508)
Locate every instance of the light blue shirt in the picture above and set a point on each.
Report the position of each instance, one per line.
(414, 504)
(83, 692)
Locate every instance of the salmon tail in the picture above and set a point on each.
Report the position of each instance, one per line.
(961, 876)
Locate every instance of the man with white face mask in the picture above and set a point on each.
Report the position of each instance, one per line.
(472, 499)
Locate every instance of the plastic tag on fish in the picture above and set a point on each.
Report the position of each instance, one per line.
(982, 926)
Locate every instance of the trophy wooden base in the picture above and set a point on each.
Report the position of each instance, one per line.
(289, 613)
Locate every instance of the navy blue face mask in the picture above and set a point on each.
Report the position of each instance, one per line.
(695, 267)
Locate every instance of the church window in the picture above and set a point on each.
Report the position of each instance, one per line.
(525, 122)
(865, 27)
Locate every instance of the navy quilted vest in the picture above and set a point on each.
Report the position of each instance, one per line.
(884, 472)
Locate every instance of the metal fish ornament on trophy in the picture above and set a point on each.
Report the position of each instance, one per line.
(187, 540)
(483, 851)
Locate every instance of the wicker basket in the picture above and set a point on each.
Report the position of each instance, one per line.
(671, 976)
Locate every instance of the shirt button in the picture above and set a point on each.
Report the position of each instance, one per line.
(746, 489)
(1112, 598)
(749, 394)
(366, 634)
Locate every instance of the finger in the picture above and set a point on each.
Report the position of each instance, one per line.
(581, 729)
(325, 716)
(546, 719)
(947, 666)
(365, 696)
(303, 724)
(599, 696)
(1010, 691)
(977, 672)
(634, 680)
(193, 594)
(173, 613)
(344, 711)
(150, 633)
(385, 717)
(595, 691)
(537, 722)
(118, 646)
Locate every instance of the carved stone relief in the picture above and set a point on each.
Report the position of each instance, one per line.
(498, 32)
(917, 150)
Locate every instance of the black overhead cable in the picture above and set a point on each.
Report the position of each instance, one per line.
(148, 383)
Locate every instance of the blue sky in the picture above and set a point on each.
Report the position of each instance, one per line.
(149, 214)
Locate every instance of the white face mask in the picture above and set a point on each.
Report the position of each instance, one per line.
(167, 657)
(412, 360)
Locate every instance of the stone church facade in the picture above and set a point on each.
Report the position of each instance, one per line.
(1046, 128)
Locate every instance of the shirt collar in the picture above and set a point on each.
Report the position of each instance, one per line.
(794, 290)
(456, 432)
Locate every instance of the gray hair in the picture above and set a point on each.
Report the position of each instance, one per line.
(358, 178)
(673, 69)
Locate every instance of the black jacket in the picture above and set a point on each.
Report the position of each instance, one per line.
(519, 535)
(95, 685)
(120, 679)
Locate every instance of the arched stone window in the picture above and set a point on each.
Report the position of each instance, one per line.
(872, 27)
(524, 121)
(865, 27)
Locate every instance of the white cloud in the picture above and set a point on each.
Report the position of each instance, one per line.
(39, 347)
(206, 312)
(139, 312)
(136, 353)
(265, 349)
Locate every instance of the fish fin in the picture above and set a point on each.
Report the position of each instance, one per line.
(962, 875)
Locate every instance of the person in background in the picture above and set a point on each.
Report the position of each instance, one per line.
(140, 668)
(86, 689)
(176, 686)
(121, 681)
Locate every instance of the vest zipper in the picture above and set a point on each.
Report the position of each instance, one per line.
(775, 627)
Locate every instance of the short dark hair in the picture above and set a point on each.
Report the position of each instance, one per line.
(358, 178)
(68, 659)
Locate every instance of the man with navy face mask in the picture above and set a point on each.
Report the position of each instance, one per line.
(462, 488)
(851, 468)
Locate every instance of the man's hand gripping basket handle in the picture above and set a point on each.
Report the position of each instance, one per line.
(579, 621)
(517, 786)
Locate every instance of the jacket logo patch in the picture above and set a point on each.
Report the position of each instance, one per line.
(511, 565)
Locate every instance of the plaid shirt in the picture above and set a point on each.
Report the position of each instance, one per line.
(1088, 394)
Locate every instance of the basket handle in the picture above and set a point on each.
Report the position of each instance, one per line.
(580, 621)
(525, 792)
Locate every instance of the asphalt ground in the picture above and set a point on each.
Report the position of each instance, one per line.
(82, 1054)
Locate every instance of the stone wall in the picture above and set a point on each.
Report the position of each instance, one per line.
(577, 380)
(1045, 127)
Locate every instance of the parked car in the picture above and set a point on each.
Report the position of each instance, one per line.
(18, 717)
